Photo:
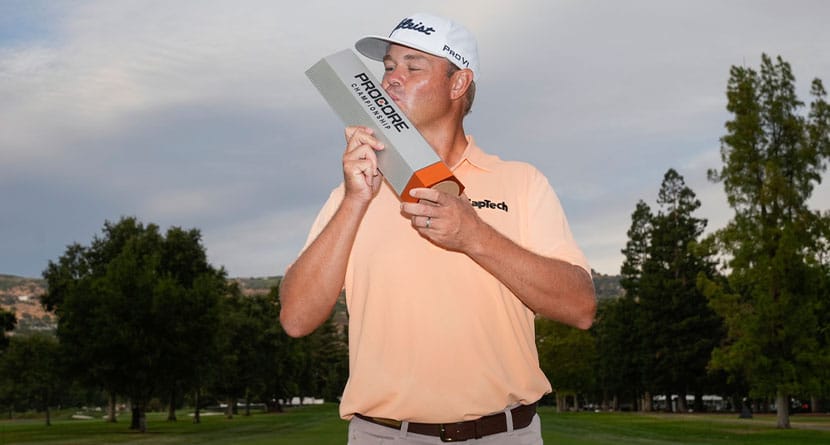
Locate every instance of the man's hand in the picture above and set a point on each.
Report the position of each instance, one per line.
(360, 164)
(551, 287)
(446, 220)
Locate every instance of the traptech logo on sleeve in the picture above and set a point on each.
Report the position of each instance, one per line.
(487, 204)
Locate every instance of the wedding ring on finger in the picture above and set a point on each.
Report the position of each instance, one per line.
(429, 219)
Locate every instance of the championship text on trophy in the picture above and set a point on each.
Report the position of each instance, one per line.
(407, 161)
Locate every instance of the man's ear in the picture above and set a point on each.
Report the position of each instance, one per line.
(460, 82)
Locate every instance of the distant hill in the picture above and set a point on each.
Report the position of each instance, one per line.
(22, 295)
(607, 286)
(255, 285)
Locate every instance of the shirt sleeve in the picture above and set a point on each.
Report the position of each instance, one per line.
(324, 216)
(549, 231)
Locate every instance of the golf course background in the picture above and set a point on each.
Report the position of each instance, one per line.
(320, 425)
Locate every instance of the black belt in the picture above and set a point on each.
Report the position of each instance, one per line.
(461, 431)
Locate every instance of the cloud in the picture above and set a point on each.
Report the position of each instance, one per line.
(263, 246)
(198, 114)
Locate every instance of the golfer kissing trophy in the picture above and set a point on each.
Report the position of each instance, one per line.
(407, 161)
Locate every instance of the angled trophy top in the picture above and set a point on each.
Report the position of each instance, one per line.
(356, 96)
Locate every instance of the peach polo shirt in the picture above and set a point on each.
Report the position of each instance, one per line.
(433, 337)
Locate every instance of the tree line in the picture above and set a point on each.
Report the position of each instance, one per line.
(142, 315)
(741, 312)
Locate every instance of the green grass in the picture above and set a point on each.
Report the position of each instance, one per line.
(320, 425)
(664, 429)
(306, 425)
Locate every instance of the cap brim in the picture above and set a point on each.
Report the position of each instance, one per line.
(375, 47)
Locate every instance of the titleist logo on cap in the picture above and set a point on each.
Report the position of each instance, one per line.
(408, 23)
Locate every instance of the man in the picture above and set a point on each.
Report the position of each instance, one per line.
(441, 293)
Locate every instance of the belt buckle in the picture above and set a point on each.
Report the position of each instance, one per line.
(456, 432)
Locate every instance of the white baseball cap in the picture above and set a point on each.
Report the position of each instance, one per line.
(431, 34)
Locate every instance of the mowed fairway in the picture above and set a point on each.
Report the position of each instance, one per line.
(664, 429)
(320, 425)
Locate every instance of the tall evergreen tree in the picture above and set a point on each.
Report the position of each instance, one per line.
(636, 250)
(679, 329)
(616, 376)
(672, 330)
(619, 323)
(772, 159)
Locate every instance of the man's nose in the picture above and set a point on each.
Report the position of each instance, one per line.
(392, 78)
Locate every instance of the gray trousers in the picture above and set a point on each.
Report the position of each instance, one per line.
(362, 432)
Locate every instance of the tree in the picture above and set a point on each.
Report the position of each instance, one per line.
(618, 351)
(233, 349)
(316, 364)
(188, 308)
(195, 342)
(121, 302)
(821, 262)
(327, 360)
(619, 326)
(671, 330)
(636, 250)
(772, 159)
(679, 329)
(31, 365)
(8, 321)
(95, 349)
(567, 356)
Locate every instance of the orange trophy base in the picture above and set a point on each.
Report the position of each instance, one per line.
(436, 176)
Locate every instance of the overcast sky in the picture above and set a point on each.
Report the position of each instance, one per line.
(198, 113)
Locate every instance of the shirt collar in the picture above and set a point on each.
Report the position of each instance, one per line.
(474, 156)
